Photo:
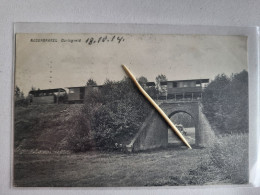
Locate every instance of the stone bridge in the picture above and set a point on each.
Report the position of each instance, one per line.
(154, 131)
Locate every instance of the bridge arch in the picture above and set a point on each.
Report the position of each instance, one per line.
(180, 111)
(154, 131)
(189, 125)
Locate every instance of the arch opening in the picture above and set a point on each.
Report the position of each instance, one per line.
(186, 125)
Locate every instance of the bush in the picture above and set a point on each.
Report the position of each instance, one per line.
(121, 114)
(81, 136)
(225, 103)
(110, 116)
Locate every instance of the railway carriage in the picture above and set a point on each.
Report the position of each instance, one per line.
(47, 96)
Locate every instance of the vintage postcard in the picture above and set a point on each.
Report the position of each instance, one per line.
(79, 121)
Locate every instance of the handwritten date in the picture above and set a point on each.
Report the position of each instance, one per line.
(112, 38)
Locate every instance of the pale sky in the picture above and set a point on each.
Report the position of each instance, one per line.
(179, 57)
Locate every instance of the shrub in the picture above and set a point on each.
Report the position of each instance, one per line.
(81, 136)
(225, 103)
(110, 116)
(121, 114)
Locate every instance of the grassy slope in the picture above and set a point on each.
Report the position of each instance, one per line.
(43, 127)
(46, 127)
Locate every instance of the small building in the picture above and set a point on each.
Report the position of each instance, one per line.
(78, 94)
(47, 96)
(184, 89)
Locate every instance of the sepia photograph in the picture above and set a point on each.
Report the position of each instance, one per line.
(81, 120)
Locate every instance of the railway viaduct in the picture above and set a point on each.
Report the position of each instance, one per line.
(154, 131)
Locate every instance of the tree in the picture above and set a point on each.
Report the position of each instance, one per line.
(19, 97)
(17, 92)
(225, 103)
(160, 78)
(151, 90)
(215, 101)
(142, 80)
(121, 113)
(113, 116)
(238, 104)
(91, 82)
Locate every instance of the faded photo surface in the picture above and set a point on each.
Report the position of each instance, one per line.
(79, 121)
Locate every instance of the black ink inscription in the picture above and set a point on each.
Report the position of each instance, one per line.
(116, 39)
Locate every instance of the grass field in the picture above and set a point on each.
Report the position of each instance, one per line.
(161, 167)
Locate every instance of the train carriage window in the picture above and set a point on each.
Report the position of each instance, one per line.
(198, 84)
(71, 91)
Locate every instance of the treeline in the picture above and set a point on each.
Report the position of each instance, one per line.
(19, 97)
(225, 103)
(109, 117)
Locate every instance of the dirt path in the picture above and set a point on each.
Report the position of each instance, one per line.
(162, 167)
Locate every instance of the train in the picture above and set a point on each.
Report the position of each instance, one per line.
(61, 95)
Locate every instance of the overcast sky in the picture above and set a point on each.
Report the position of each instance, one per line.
(47, 65)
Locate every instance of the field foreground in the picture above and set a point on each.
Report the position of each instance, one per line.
(43, 157)
(162, 167)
